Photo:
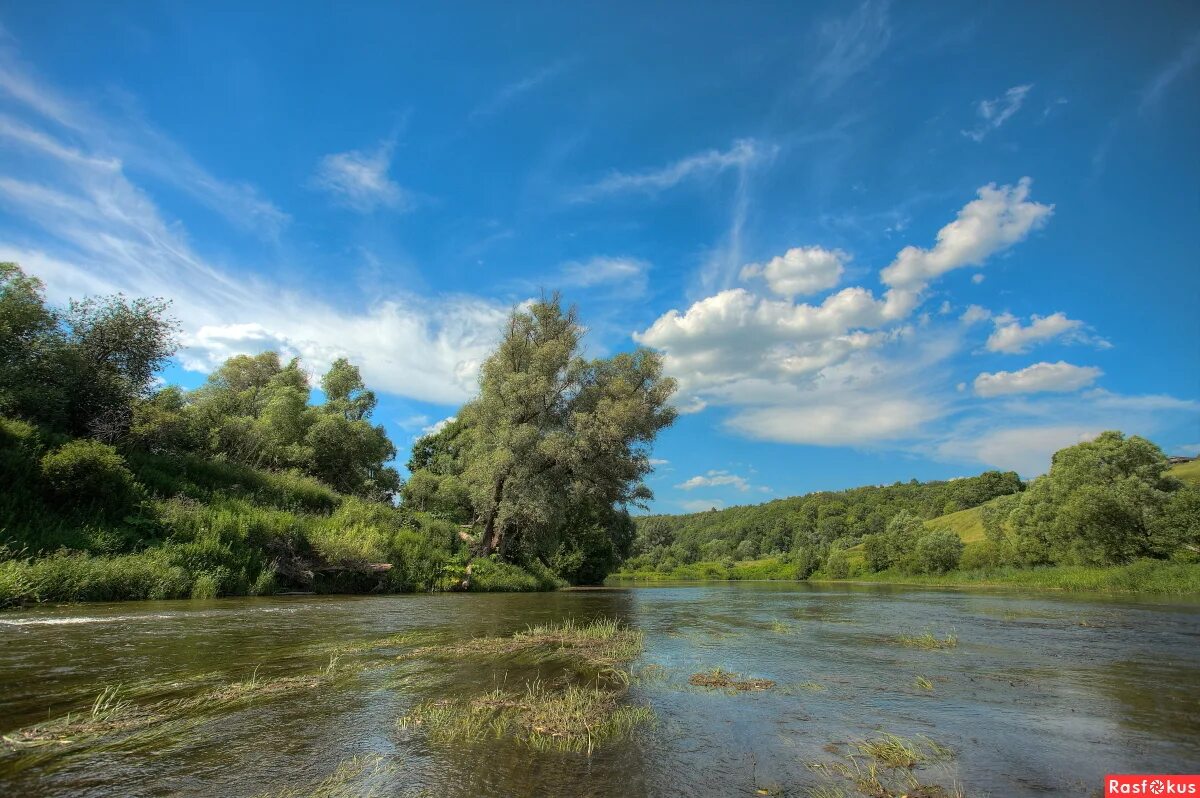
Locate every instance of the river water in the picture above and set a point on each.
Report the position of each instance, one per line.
(1043, 694)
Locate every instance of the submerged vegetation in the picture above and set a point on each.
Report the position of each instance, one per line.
(719, 679)
(576, 707)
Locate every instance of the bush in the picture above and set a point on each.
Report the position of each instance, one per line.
(73, 576)
(87, 473)
(837, 566)
(489, 574)
(936, 552)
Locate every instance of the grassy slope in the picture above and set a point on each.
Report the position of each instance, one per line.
(1188, 472)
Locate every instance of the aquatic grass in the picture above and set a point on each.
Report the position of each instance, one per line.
(351, 779)
(921, 683)
(884, 767)
(928, 641)
(720, 679)
(603, 646)
(113, 713)
(577, 718)
(812, 687)
(779, 627)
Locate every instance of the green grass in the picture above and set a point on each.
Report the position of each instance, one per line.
(967, 524)
(766, 568)
(577, 718)
(1143, 576)
(928, 641)
(1188, 472)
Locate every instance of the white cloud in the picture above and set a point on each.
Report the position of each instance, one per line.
(438, 426)
(628, 273)
(1011, 337)
(743, 153)
(975, 314)
(996, 220)
(88, 229)
(1024, 449)
(125, 142)
(801, 270)
(658, 461)
(359, 179)
(1058, 377)
(995, 112)
(713, 479)
(851, 420)
(978, 278)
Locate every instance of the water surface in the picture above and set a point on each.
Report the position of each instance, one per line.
(1043, 695)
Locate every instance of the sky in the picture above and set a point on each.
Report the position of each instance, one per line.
(873, 242)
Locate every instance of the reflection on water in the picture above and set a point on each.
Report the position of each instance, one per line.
(1042, 695)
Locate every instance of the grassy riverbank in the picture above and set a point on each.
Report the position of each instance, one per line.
(1143, 576)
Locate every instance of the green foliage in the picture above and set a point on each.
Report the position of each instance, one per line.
(88, 473)
(937, 552)
(493, 574)
(1106, 501)
(805, 527)
(543, 462)
(837, 565)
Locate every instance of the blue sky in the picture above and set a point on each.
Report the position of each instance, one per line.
(874, 242)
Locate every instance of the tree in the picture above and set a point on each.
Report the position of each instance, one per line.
(550, 430)
(1103, 501)
(936, 552)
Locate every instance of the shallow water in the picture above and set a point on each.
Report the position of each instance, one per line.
(1043, 695)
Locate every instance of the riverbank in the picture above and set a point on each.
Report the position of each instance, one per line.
(1144, 576)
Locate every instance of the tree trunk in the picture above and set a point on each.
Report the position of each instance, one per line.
(492, 534)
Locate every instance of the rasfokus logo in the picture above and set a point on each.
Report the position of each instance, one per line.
(1151, 784)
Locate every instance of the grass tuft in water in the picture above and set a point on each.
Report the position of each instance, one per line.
(921, 683)
(352, 779)
(719, 679)
(928, 641)
(576, 718)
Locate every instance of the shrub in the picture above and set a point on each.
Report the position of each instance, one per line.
(89, 473)
(936, 552)
(488, 574)
(837, 566)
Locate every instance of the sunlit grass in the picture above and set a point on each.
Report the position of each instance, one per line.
(719, 679)
(921, 683)
(928, 641)
(576, 718)
(351, 779)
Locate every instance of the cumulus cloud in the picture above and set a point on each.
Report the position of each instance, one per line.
(996, 220)
(359, 180)
(713, 479)
(975, 314)
(743, 153)
(1024, 449)
(438, 426)
(1060, 377)
(995, 112)
(1011, 337)
(801, 270)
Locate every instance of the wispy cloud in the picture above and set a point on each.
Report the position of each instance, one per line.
(628, 274)
(1157, 88)
(710, 162)
(995, 112)
(847, 46)
(358, 179)
(127, 141)
(86, 227)
(511, 92)
(721, 478)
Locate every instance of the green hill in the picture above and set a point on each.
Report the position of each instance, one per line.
(1188, 472)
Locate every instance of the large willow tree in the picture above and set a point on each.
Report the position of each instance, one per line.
(555, 446)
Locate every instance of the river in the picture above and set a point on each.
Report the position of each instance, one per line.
(1042, 695)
